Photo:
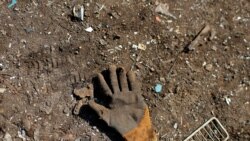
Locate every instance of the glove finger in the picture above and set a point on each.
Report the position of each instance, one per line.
(104, 85)
(103, 112)
(132, 81)
(123, 80)
(114, 80)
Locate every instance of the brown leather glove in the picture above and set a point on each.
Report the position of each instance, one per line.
(127, 112)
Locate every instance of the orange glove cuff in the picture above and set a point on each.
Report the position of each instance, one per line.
(143, 132)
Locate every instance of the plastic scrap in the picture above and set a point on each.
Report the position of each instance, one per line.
(13, 2)
(158, 88)
(78, 12)
(89, 29)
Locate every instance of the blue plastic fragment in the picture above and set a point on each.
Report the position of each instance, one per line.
(158, 88)
(13, 2)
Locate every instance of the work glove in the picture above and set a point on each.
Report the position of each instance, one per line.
(127, 112)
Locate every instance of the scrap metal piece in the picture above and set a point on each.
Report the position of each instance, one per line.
(212, 130)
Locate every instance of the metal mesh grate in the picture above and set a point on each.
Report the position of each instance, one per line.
(212, 130)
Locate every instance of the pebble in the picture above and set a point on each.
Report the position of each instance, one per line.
(214, 48)
(2, 90)
(209, 67)
(162, 79)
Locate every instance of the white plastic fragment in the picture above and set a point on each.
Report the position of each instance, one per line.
(89, 29)
(228, 100)
(78, 12)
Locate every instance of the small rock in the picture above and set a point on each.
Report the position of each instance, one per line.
(28, 30)
(66, 110)
(2, 90)
(37, 134)
(162, 79)
(102, 42)
(209, 67)
(3, 32)
(214, 48)
(7, 137)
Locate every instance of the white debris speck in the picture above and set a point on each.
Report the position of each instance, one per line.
(89, 29)
(175, 125)
(22, 134)
(135, 33)
(228, 100)
(204, 64)
(10, 45)
(135, 46)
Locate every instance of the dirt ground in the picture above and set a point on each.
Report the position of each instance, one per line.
(46, 53)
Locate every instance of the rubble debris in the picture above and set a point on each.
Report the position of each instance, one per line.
(13, 2)
(158, 88)
(142, 46)
(209, 67)
(7, 137)
(2, 90)
(205, 30)
(163, 8)
(89, 29)
(78, 12)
